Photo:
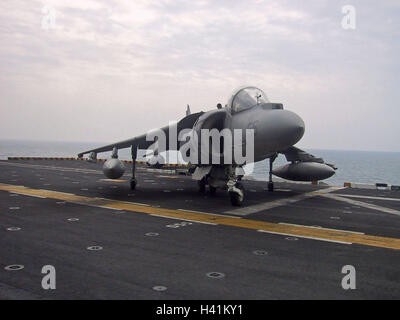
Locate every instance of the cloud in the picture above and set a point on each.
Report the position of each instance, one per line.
(113, 69)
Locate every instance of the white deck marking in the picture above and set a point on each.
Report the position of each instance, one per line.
(317, 227)
(212, 214)
(363, 204)
(304, 237)
(271, 227)
(366, 197)
(281, 202)
(27, 194)
(93, 205)
(176, 218)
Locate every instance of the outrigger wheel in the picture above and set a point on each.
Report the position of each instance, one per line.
(270, 182)
(237, 196)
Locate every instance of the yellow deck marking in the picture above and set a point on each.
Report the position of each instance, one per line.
(301, 231)
(113, 180)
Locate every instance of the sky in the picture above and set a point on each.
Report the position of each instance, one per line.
(108, 70)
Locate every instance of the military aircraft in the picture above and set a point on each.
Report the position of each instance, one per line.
(273, 130)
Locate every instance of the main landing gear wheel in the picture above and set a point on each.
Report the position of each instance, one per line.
(237, 196)
(202, 185)
(133, 184)
(270, 186)
(213, 190)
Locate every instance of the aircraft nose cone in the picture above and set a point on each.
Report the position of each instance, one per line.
(295, 127)
(281, 129)
(292, 128)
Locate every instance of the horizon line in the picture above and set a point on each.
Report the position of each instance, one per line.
(93, 142)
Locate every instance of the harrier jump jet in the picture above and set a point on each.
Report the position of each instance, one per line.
(273, 131)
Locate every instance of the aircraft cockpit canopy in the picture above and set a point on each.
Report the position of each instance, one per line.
(246, 98)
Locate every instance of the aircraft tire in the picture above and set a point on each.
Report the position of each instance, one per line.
(270, 186)
(202, 185)
(236, 200)
(133, 184)
(213, 190)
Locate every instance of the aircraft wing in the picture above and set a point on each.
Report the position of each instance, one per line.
(294, 154)
(140, 141)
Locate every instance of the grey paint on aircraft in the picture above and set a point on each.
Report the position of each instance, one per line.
(275, 131)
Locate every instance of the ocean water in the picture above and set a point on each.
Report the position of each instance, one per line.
(353, 166)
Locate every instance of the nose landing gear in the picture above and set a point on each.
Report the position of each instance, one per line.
(133, 183)
(270, 182)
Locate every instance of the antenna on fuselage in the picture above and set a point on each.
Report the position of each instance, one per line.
(258, 97)
(188, 110)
